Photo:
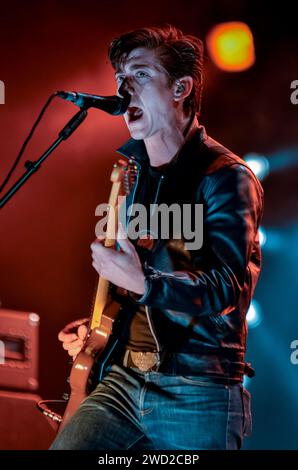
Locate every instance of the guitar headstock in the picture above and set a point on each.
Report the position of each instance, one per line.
(124, 172)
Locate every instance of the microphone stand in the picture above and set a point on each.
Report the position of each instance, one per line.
(32, 167)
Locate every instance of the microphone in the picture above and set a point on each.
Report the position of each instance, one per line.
(111, 104)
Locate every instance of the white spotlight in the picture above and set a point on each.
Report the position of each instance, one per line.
(254, 314)
(246, 381)
(262, 236)
(258, 164)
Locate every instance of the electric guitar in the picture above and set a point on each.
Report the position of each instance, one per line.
(105, 310)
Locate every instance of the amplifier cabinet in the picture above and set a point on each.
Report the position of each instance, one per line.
(19, 350)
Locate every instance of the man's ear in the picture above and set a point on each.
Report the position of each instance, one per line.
(182, 87)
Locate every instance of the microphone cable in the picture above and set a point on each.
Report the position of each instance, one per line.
(15, 164)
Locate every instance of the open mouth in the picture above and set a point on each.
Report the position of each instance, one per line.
(134, 113)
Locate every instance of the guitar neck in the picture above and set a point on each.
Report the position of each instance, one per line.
(102, 290)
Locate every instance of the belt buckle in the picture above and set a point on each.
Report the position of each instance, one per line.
(144, 360)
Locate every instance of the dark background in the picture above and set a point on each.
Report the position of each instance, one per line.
(47, 228)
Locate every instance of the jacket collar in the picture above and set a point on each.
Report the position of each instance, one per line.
(137, 149)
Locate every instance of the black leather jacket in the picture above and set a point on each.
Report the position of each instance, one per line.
(196, 300)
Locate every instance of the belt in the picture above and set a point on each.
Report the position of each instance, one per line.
(143, 360)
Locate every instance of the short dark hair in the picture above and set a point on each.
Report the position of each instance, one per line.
(179, 54)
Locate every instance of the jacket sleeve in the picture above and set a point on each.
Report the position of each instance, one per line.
(233, 204)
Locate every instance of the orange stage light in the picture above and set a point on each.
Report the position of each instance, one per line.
(231, 46)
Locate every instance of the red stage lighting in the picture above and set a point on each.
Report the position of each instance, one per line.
(231, 46)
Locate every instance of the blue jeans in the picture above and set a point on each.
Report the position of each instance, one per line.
(137, 410)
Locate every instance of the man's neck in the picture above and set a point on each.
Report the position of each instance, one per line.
(163, 146)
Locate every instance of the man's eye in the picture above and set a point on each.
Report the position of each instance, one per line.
(141, 74)
(120, 78)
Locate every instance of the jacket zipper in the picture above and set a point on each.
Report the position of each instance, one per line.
(152, 329)
(150, 322)
(135, 187)
(157, 192)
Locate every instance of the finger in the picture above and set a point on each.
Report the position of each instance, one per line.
(99, 254)
(67, 337)
(97, 244)
(82, 332)
(78, 322)
(99, 238)
(73, 345)
(74, 324)
(74, 352)
(97, 267)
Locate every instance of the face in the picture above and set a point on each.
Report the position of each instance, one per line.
(152, 107)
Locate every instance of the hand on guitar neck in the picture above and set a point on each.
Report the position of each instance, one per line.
(123, 268)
